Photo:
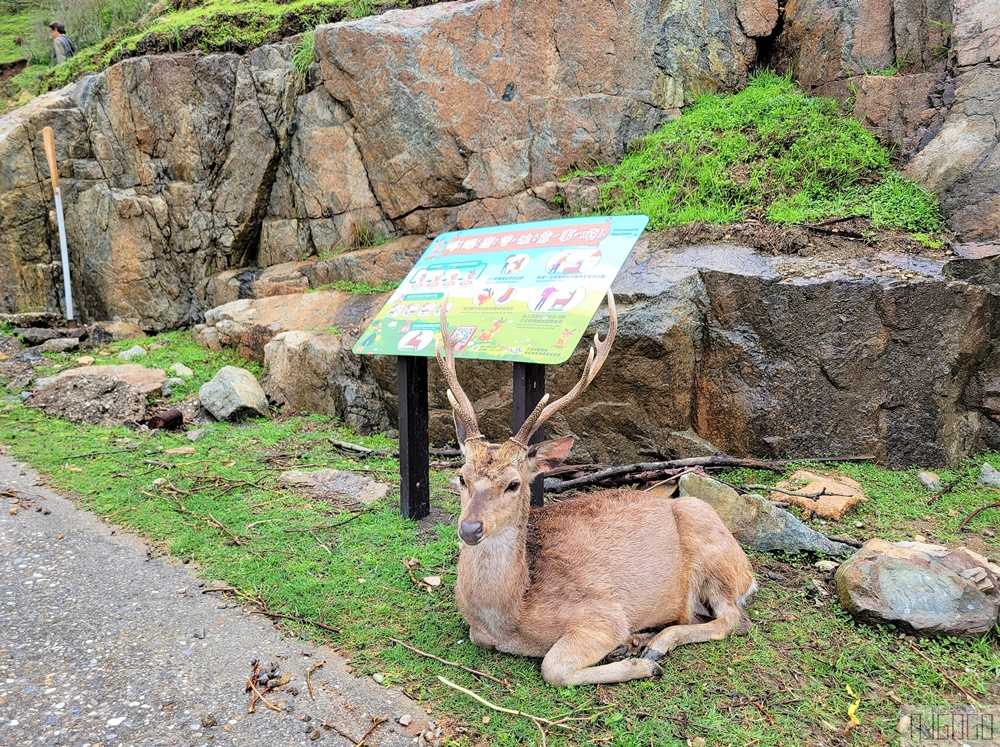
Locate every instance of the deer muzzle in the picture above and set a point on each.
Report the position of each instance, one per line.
(471, 532)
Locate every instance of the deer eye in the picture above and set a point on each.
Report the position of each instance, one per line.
(514, 485)
(461, 481)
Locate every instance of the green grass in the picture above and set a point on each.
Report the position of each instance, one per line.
(302, 58)
(359, 287)
(347, 570)
(768, 152)
(208, 25)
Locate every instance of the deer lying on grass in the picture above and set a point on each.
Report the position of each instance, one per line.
(573, 580)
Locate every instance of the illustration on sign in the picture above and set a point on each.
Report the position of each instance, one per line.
(519, 293)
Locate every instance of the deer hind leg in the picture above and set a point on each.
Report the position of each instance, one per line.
(569, 661)
(729, 618)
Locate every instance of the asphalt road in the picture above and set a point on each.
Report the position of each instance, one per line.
(101, 646)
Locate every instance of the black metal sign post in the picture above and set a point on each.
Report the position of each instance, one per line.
(529, 388)
(414, 443)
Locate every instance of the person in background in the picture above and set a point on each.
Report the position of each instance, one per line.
(61, 45)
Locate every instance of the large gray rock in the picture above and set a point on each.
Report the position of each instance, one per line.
(94, 399)
(233, 394)
(756, 523)
(757, 355)
(924, 589)
(316, 372)
(334, 482)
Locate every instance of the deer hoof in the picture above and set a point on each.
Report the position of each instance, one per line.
(653, 655)
(657, 670)
(622, 652)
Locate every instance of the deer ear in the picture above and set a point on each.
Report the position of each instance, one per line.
(460, 432)
(548, 454)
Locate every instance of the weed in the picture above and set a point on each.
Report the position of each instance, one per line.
(767, 152)
(322, 559)
(358, 287)
(302, 58)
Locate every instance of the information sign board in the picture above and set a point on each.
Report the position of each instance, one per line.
(522, 292)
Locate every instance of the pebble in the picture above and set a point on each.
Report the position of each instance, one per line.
(406, 719)
(181, 370)
(208, 721)
(379, 678)
(137, 351)
(196, 434)
(929, 480)
(199, 633)
(117, 721)
(859, 524)
(314, 734)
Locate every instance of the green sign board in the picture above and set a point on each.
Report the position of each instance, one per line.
(524, 292)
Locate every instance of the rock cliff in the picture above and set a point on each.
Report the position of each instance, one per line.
(448, 116)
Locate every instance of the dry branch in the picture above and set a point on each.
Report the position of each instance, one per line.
(656, 470)
(970, 517)
(450, 663)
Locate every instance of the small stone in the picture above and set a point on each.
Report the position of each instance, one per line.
(59, 345)
(199, 633)
(929, 480)
(379, 678)
(826, 565)
(181, 370)
(85, 360)
(406, 719)
(13, 511)
(989, 476)
(196, 434)
(859, 524)
(208, 721)
(116, 721)
(486, 719)
(989, 533)
(314, 734)
(136, 351)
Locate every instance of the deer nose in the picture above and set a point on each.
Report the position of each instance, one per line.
(471, 532)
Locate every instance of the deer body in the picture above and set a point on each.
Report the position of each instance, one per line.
(574, 580)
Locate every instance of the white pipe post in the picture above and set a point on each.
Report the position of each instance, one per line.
(50, 155)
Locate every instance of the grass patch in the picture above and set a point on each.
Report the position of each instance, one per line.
(769, 152)
(107, 31)
(359, 287)
(783, 684)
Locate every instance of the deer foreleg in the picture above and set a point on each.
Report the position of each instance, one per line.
(569, 661)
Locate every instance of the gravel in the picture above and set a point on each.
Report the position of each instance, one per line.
(101, 646)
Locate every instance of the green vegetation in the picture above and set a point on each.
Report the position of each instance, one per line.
(768, 152)
(106, 31)
(331, 561)
(361, 287)
(302, 58)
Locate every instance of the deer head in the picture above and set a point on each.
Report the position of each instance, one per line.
(495, 479)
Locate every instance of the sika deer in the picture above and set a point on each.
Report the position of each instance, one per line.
(572, 580)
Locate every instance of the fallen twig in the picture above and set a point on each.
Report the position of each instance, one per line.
(309, 672)
(450, 663)
(945, 490)
(810, 496)
(99, 453)
(260, 697)
(321, 543)
(296, 618)
(348, 446)
(718, 460)
(974, 514)
(377, 723)
(971, 698)
(495, 707)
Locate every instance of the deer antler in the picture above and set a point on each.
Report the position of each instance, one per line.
(458, 398)
(598, 354)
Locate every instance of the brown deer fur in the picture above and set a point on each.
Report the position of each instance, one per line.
(573, 580)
